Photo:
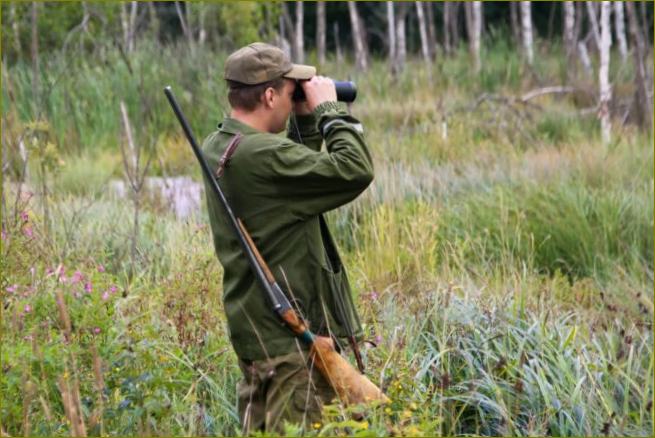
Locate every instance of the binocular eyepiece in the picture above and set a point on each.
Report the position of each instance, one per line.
(346, 91)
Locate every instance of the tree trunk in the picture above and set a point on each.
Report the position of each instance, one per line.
(446, 27)
(132, 32)
(569, 27)
(593, 22)
(154, 19)
(401, 40)
(423, 34)
(337, 43)
(15, 27)
(619, 24)
(202, 30)
(432, 31)
(358, 37)
(391, 33)
(526, 31)
(643, 95)
(584, 57)
(515, 23)
(35, 55)
(473, 12)
(454, 24)
(299, 42)
(320, 32)
(605, 92)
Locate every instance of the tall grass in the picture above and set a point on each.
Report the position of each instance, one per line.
(503, 264)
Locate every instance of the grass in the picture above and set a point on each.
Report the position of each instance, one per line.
(502, 260)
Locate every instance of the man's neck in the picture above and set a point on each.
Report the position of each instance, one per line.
(253, 119)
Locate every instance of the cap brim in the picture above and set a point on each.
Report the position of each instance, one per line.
(299, 71)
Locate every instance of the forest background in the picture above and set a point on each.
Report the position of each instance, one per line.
(502, 260)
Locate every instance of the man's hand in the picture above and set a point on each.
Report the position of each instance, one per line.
(317, 90)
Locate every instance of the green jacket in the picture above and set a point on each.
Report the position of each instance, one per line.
(280, 188)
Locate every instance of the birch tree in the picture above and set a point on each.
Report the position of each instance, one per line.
(320, 32)
(619, 27)
(605, 92)
(593, 22)
(432, 31)
(391, 33)
(358, 37)
(401, 40)
(643, 80)
(569, 28)
(446, 27)
(526, 31)
(473, 11)
(299, 40)
(423, 32)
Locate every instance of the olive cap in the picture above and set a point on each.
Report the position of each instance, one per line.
(257, 63)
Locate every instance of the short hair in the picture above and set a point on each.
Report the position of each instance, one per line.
(246, 96)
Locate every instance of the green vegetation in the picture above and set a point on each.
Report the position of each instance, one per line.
(502, 259)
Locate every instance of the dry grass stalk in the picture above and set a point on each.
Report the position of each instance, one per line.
(63, 315)
(99, 385)
(28, 395)
(72, 405)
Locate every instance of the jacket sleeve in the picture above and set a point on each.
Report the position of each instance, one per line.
(312, 182)
(303, 129)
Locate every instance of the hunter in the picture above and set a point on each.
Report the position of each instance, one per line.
(281, 187)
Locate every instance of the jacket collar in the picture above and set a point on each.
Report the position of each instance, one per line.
(230, 125)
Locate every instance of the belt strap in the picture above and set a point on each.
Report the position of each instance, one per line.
(225, 158)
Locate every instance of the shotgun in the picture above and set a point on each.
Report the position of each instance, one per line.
(351, 386)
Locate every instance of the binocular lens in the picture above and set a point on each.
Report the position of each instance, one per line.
(346, 91)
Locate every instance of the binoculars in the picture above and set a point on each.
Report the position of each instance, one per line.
(346, 92)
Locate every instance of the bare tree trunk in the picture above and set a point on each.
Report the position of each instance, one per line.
(424, 35)
(473, 12)
(569, 27)
(202, 30)
(584, 57)
(337, 43)
(454, 24)
(184, 22)
(593, 22)
(644, 23)
(643, 94)
(358, 37)
(619, 25)
(320, 31)
(299, 41)
(515, 23)
(603, 71)
(432, 31)
(35, 55)
(446, 27)
(401, 40)
(132, 32)
(526, 31)
(391, 33)
(15, 27)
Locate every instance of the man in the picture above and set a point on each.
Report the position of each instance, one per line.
(280, 187)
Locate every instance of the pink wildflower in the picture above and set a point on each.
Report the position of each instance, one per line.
(101, 268)
(77, 277)
(374, 295)
(96, 330)
(24, 216)
(378, 339)
(88, 287)
(27, 308)
(11, 289)
(4, 235)
(112, 288)
(49, 271)
(28, 231)
(105, 296)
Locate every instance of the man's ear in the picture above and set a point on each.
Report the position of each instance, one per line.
(269, 96)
